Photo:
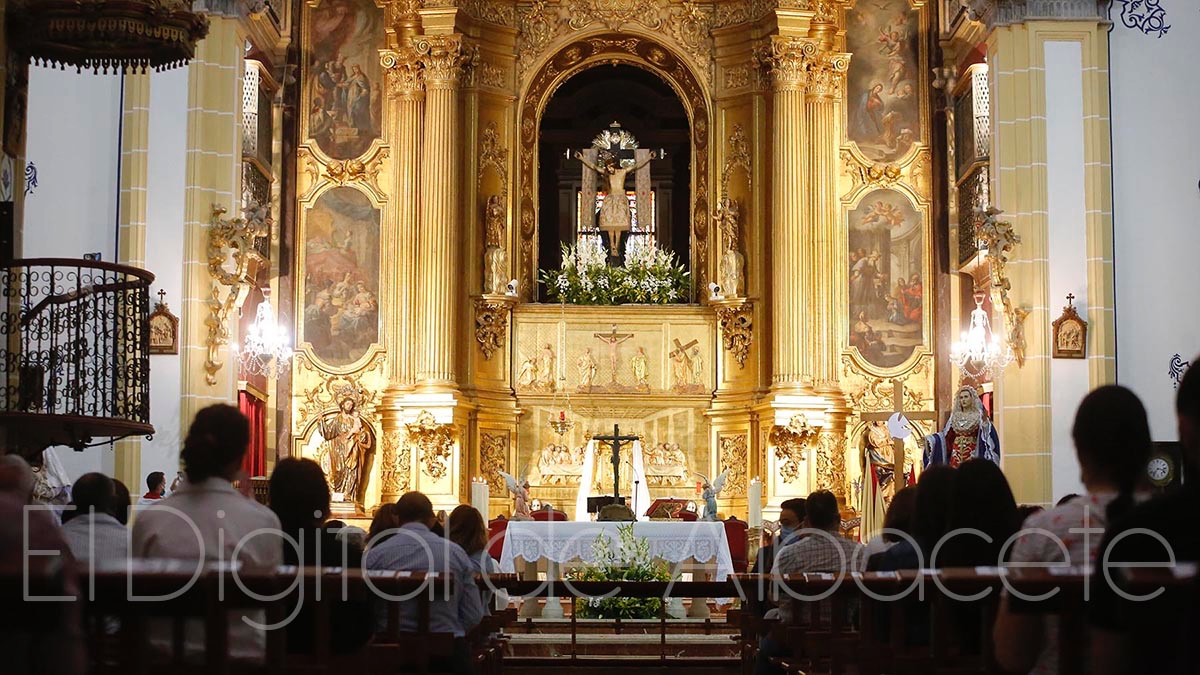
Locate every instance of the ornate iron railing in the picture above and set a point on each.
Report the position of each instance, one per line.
(75, 352)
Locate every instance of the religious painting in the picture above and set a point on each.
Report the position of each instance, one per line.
(883, 85)
(341, 276)
(1069, 333)
(344, 76)
(886, 262)
(164, 328)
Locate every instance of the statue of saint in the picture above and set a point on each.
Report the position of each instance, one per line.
(347, 453)
(615, 215)
(732, 261)
(587, 369)
(545, 368)
(968, 434)
(641, 366)
(495, 258)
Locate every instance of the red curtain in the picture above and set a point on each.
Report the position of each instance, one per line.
(255, 409)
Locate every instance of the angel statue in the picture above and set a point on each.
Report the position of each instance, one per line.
(710, 492)
(520, 492)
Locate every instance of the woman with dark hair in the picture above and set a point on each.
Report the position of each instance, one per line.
(931, 513)
(383, 524)
(1112, 441)
(121, 502)
(468, 530)
(208, 520)
(300, 498)
(980, 500)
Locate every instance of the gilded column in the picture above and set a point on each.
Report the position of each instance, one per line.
(827, 287)
(439, 234)
(790, 257)
(406, 95)
(135, 146)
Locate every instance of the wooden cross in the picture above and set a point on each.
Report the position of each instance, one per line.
(162, 296)
(681, 348)
(1070, 299)
(613, 339)
(616, 439)
(898, 444)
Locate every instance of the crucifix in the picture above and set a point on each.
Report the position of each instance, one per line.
(162, 296)
(616, 439)
(898, 443)
(613, 339)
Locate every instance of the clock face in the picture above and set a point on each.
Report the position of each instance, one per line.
(1159, 470)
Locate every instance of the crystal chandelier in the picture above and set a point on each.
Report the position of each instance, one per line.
(267, 349)
(980, 353)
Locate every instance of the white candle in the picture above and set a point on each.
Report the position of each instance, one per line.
(479, 497)
(755, 499)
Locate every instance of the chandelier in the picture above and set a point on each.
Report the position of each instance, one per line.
(267, 349)
(103, 34)
(980, 353)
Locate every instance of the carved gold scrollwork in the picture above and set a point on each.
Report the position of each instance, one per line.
(790, 443)
(493, 456)
(324, 395)
(827, 77)
(734, 459)
(737, 330)
(999, 238)
(491, 325)
(613, 13)
(494, 155)
(831, 462)
(868, 175)
(234, 258)
(737, 157)
(434, 443)
(395, 468)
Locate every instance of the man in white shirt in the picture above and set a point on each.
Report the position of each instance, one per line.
(415, 548)
(91, 527)
(204, 522)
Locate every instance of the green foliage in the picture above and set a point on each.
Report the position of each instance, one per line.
(650, 275)
(629, 561)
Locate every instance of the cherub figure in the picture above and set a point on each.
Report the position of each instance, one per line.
(520, 493)
(710, 492)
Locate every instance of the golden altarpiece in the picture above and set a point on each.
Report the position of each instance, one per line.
(808, 133)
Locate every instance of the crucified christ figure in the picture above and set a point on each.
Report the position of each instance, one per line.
(615, 216)
(613, 339)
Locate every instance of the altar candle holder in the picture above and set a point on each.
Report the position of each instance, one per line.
(561, 424)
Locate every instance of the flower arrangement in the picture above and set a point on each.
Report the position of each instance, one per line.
(630, 561)
(650, 275)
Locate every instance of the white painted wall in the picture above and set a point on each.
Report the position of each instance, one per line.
(72, 140)
(1156, 202)
(164, 247)
(1066, 215)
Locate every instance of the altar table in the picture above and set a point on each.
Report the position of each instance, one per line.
(701, 542)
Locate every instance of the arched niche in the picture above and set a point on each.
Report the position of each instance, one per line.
(606, 49)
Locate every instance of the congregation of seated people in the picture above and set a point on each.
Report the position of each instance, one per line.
(965, 518)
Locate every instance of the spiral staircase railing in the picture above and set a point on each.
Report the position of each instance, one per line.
(76, 346)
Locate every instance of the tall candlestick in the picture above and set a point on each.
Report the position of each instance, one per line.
(755, 499)
(479, 496)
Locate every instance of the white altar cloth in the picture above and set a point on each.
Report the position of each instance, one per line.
(564, 541)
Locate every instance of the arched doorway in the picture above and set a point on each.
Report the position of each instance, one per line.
(641, 104)
(602, 52)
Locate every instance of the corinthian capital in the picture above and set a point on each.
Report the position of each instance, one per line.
(444, 57)
(404, 75)
(827, 75)
(788, 60)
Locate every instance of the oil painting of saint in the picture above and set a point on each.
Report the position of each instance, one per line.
(344, 76)
(885, 264)
(341, 276)
(884, 113)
